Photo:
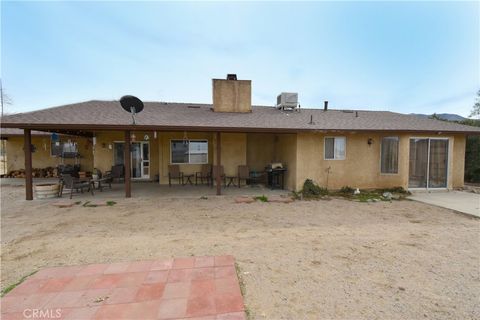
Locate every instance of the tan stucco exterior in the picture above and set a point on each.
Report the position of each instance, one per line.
(232, 95)
(42, 157)
(301, 153)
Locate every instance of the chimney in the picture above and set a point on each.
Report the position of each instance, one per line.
(325, 106)
(232, 95)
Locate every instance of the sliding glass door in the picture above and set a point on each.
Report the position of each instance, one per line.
(428, 165)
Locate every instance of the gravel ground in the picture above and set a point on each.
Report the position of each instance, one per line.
(333, 259)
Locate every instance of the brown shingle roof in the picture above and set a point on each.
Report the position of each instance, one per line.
(161, 115)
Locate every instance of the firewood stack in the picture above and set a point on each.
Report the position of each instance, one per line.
(48, 172)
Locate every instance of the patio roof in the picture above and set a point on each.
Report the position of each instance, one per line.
(108, 115)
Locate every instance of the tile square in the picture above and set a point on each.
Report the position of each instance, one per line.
(201, 306)
(225, 272)
(92, 269)
(157, 276)
(29, 286)
(180, 275)
(54, 285)
(82, 313)
(105, 281)
(172, 308)
(46, 273)
(183, 263)
(118, 267)
(201, 262)
(94, 297)
(80, 283)
(227, 286)
(65, 299)
(139, 266)
(144, 310)
(114, 311)
(132, 279)
(202, 288)
(202, 273)
(162, 264)
(150, 292)
(176, 290)
(224, 261)
(122, 295)
(228, 302)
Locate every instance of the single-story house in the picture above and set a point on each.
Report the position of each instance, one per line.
(335, 148)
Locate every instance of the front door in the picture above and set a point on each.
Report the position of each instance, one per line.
(428, 165)
(140, 158)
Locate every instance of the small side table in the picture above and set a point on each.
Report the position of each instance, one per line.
(188, 178)
(231, 180)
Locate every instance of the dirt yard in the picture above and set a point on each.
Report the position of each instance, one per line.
(324, 259)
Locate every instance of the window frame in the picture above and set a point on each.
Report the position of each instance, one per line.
(188, 163)
(334, 138)
(398, 156)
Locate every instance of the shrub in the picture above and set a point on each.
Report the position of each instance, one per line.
(261, 198)
(312, 190)
(346, 190)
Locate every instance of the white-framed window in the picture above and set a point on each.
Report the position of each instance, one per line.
(188, 151)
(335, 148)
(389, 155)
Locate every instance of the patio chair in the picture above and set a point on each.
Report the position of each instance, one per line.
(205, 173)
(243, 174)
(74, 184)
(214, 175)
(117, 172)
(174, 173)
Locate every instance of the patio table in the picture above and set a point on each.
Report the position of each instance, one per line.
(189, 178)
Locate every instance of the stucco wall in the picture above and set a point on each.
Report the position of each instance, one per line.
(42, 158)
(232, 95)
(361, 167)
(234, 152)
(260, 150)
(286, 152)
(103, 154)
(164, 152)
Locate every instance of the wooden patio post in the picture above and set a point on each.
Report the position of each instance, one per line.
(27, 138)
(126, 150)
(219, 163)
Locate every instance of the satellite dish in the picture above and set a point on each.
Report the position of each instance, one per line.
(131, 104)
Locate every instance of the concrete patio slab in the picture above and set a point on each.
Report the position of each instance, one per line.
(465, 202)
(181, 288)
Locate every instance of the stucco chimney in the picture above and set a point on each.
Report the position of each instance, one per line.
(231, 95)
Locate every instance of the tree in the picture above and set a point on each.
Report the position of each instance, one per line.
(476, 107)
(4, 99)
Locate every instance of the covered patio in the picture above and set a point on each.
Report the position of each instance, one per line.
(150, 189)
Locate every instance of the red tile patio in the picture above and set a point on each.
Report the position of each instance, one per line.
(181, 288)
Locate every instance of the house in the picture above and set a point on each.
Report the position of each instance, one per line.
(364, 149)
(46, 152)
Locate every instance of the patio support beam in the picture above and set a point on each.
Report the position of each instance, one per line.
(27, 138)
(219, 163)
(128, 186)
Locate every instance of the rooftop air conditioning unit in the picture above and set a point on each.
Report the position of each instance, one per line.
(287, 100)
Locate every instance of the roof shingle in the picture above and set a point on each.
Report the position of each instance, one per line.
(157, 115)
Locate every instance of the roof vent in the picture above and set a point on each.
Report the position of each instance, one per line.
(287, 101)
(231, 76)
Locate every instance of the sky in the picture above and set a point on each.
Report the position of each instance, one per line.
(409, 57)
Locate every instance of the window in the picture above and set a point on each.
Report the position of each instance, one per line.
(189, 151)
(335, 148)
(389, 155)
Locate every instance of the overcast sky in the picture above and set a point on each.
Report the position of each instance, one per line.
(420, 57)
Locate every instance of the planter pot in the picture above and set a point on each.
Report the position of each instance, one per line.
(46, 191)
